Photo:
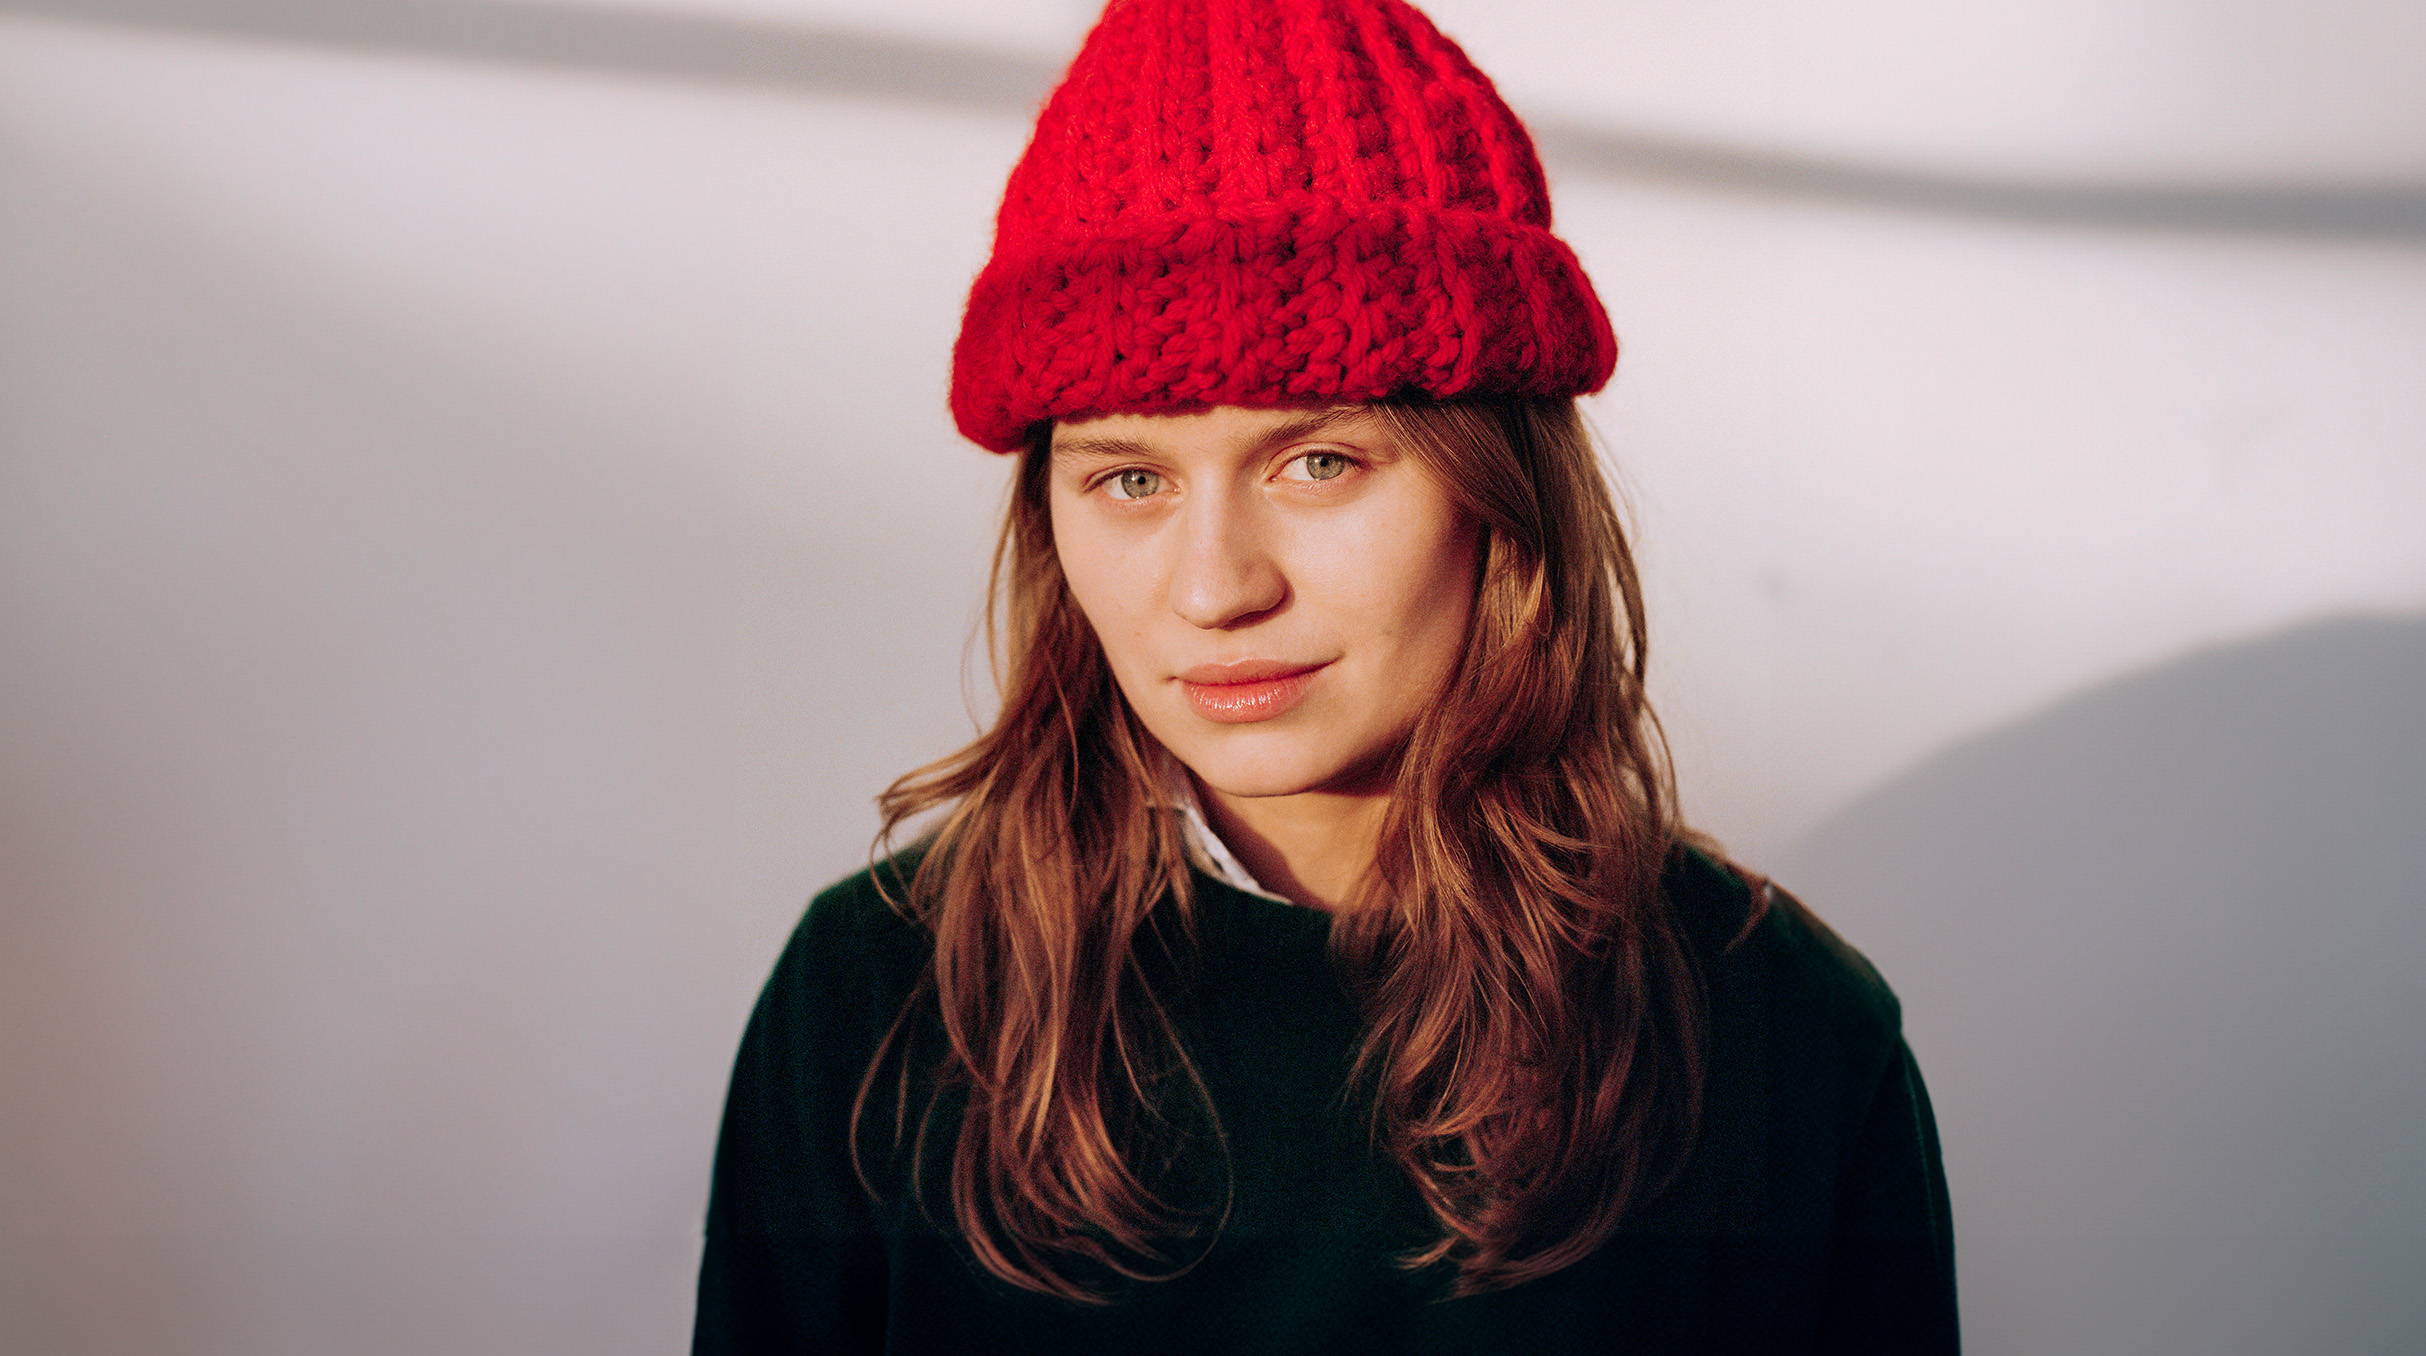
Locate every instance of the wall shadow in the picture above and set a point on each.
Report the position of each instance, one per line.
(2162, 950)
(739, 52)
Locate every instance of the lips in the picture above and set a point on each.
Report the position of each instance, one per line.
(1248, 690)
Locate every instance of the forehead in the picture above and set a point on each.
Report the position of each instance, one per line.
(1220, 428)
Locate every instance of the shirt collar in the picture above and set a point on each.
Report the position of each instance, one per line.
(1206, 852)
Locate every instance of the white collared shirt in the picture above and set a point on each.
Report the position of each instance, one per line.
(1206, 851)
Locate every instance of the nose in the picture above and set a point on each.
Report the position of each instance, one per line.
(1224, 573)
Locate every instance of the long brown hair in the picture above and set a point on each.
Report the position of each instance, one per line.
(1532, 1047)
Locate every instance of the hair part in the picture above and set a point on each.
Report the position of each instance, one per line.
(1533, 1040)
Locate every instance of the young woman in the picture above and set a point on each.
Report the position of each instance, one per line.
(1309, 958)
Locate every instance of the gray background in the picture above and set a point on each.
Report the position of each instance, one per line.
(478, 524)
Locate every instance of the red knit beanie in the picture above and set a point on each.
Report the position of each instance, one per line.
(1270, 202)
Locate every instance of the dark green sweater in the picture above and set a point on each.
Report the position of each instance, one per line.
(1811, 1216)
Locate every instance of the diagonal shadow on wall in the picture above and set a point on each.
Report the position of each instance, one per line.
(738, 52)
(2161, 950)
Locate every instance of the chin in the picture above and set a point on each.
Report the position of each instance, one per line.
(1254, 782)
(1257, 772)
(1268, 771)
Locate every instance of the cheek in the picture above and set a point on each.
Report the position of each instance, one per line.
(1079, 558)
(1425, 588)
(1447, 607)
(1104, 590)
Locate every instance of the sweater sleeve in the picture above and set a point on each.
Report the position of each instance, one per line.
(1891, 1287)
(795, 1260)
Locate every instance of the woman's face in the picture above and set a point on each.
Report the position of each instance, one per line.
(1279, 592)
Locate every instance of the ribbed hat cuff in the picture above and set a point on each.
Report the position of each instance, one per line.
(1279, 308)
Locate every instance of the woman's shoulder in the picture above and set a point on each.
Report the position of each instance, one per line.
(1751, 936)
(870, 902)
(858, 936)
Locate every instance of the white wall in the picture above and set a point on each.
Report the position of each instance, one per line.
(478, 523)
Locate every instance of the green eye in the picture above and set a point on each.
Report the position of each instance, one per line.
(1323, 465)
(1135, 484)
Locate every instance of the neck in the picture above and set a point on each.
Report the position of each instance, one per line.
(1313, 847)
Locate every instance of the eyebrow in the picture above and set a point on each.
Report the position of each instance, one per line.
(1305, 425)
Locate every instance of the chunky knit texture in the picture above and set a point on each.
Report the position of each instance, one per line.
(1271, 202)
